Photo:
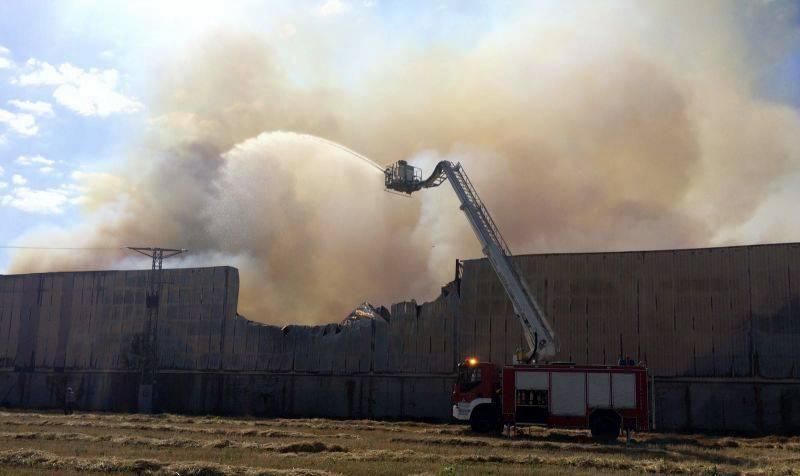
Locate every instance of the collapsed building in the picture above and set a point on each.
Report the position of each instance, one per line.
(719, 329)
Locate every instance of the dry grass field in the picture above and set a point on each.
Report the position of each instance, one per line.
(36, 443)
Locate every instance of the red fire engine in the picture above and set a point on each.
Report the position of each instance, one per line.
(604, 398)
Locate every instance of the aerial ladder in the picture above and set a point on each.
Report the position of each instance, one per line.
(604, 398)
(405, 178)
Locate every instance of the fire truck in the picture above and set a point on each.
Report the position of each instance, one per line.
(532, 391)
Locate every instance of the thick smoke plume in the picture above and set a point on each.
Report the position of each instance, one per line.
(624, 126)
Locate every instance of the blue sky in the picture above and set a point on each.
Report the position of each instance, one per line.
(76, 78)
(67, 108)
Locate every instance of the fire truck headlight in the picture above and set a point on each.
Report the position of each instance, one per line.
(472, 361)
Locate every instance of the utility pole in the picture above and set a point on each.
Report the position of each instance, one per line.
(150, 338)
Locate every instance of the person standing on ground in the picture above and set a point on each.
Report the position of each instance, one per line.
(69, 400)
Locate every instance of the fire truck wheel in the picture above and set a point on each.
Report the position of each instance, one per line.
(605, 425)
(484, 418)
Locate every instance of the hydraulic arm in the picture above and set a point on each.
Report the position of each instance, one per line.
(402, 177)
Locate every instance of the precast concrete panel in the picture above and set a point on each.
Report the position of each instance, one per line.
(380, 346)
(239, 349)
(628, 289)
(403, 337)
(43, 333)
(596, 314)
(64, 320)
(657, 313)
(352, 350)
(560, 303)
(498, 330)
(6, 296)
(434, 331)
(266, 346)
(394, 340)
(387, 396)
(689, 305)
(573, 317)
(739, 319)
(53, 316)
(708, 410)
(229, 343)
(789, 323)
(77, 342)
(452, 313)
(426, 396)
(364, 352)
(708, 331)
(283, 353)
(302, 345)
(465, 336)
(29, 322)
(594, 309)
(489, 289)
(328, 346)
(426, 334)
(781, 408)
(734, 316)
(772, 311)
(253, 340)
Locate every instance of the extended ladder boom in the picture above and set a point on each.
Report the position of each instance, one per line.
(538, 333)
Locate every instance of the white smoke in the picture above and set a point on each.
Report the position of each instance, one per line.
(621, 125)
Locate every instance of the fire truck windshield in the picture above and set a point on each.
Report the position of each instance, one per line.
(468, 377)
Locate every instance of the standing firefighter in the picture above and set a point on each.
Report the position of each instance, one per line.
(69, 401)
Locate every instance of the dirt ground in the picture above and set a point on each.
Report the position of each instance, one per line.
(35, 443)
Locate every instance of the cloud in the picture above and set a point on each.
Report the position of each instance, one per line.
(47, 201)
(22, 123)
(331, 8)
(2, 170)
(5, 61)
(38, 108)
(91, 92)
(46, 170)
(35, 160)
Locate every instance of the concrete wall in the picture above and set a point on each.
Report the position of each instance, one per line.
(89, 330)
(717, 312)
(718, 327)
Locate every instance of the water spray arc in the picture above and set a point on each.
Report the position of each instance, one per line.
(331, 143)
